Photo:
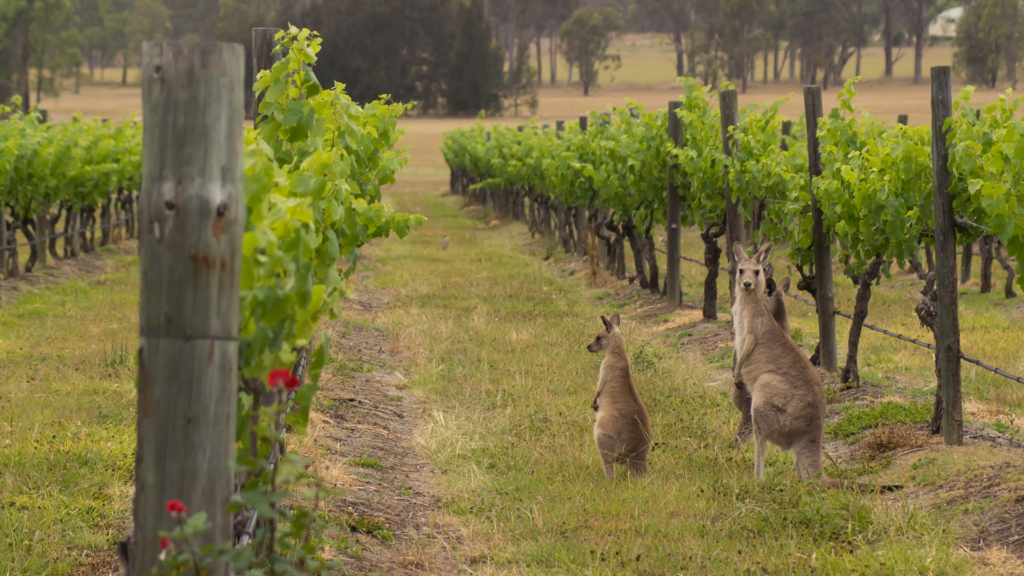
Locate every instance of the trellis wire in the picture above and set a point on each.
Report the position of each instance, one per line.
(964, 357)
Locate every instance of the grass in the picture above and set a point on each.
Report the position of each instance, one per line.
(363, 462)
(504, 363)
(858, 418)
(67, 426)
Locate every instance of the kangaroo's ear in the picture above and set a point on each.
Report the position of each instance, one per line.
(784, 285)
(607, 324)
(762, 255)
(741, 254)
(615, 321)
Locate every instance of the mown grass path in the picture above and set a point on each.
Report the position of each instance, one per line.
(67, 421)
(499, 343)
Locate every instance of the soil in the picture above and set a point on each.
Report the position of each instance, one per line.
(365, 413)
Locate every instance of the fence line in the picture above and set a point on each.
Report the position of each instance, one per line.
(963, 356)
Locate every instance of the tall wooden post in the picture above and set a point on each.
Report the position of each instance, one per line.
(787, 130)
(583, 123)
(947, 334)
(825, 292)
(673, 214)
(263, 58)
(192, 216)
(730, 113)
(903, 119)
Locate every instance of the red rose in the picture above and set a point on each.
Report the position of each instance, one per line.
(282, 377)
(176, 507)
(164, 543)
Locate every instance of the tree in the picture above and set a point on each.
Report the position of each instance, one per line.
(677, 19)
(585, 40)
(521, 88)
(987, 42)
(193, 20)
(920, 14)
(475, 76)
(148, 20)
(402, 48)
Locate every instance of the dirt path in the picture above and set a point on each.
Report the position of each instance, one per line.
(365, 432)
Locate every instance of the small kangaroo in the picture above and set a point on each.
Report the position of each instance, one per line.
(622, 429)
(787, 400)
(740, 396)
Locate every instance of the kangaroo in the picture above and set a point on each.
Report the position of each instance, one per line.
(787, 400)
(740, 396)
(622, 429)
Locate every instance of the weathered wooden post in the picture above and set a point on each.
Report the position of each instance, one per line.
(903, 119)
(730, 113)
(947, 333)
(966, 263)
(673, 213)
(263, 58)
(42, 231)
(192, 216)
(787, 130)
(824, 290)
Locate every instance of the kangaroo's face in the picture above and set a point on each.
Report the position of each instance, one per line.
(750, 271)
(603, 338)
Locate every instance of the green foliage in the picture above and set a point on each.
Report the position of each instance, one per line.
(875, 187)
(77, 164)
(859, 419)
(585, 39)
(986, 161)
(364, 462)
(475, 80)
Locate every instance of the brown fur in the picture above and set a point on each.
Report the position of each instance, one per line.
(740, 396)
(622, 429)
(787, 400)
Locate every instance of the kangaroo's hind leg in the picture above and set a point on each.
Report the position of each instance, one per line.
(610, 453)
(741, 399)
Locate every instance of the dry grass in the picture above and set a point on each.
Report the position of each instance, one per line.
(885, 440)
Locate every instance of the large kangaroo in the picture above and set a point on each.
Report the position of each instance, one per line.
(622, 430)
(787, 400)
(740, 396)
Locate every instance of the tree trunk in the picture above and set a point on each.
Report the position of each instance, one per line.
(636, 244)
(12, 243)
(765, 62)
(998, 251)
(105, 223)
(776, 73)
(28, 225)
(553, 51)
(540, 61)
(1011, 50)
(677, 40)
(986, 263)
(922, 33)
(52, 231)
(792, 62)
(42, 226)
(860, 313)
(965, 263)
(581, 223)
(887, 10)
(712, 257)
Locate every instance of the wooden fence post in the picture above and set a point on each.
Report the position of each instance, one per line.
(787, 130)
(948, 328)
(903, 119)
(730, 113)
(192, 216)
(824, 290)
(263, 58)
(673, 214)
